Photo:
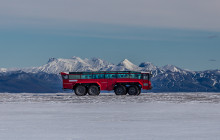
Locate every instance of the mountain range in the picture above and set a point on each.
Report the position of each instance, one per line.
(46, 78)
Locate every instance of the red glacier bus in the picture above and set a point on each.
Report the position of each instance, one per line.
(122, 82)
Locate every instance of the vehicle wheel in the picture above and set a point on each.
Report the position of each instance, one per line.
(120, 90)
(133, 90)
(93, 90)
(80, 90)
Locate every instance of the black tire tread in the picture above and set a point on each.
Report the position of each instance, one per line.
(96, 93)
(82, 93)
(137, 90)
(123, 88)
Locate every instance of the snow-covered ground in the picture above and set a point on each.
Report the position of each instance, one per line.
(153, 116)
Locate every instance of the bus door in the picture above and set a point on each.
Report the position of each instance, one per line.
(110, 80)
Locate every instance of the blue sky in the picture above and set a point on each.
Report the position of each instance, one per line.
(182, 33)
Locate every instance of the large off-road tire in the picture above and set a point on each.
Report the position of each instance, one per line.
(133, 90)
(120, 90)
(80, 90)
(94, 90)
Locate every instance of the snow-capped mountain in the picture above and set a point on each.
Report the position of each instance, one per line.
(148, 66)
(55, 66)
(98, 64)
(124, 65)
(171, 68)
(7, 70)
(3, 70)
(168, 78)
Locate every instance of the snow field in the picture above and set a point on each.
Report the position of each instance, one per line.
(127, 120)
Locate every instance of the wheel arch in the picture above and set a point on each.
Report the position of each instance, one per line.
(129, 84)
(87, 85)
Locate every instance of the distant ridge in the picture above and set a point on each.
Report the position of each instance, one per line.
(46, 78)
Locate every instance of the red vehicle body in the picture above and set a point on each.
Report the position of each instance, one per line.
(122, 82)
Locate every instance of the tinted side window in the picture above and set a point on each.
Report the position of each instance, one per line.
(135, 76)
(74, 76)
(123, 76)
(138, 76)
(86, 76)
(109, 76)
(98, 76)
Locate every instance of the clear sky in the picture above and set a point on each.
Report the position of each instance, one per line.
(183, 33)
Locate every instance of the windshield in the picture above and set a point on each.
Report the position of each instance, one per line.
(65, 76)
(145, 76)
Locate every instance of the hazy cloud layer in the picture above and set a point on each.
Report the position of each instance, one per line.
(212, 60)
(192, 14)
(213, 36)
